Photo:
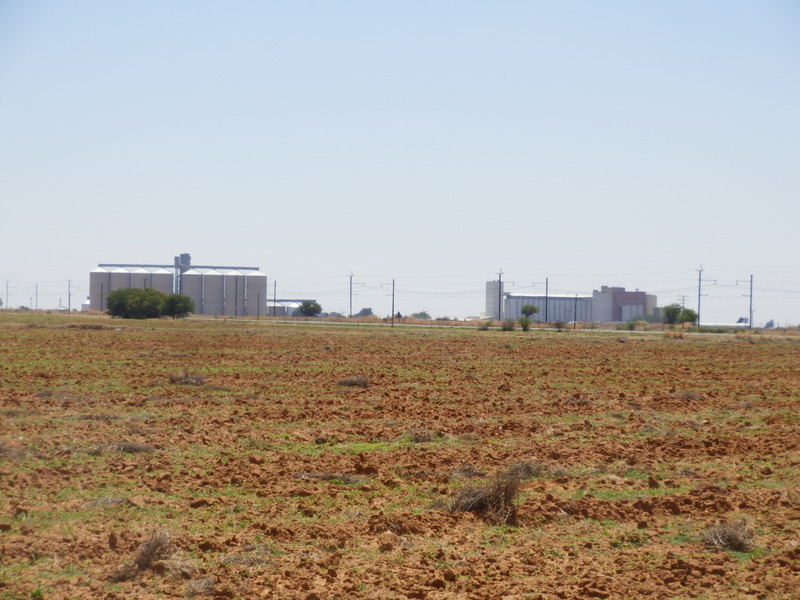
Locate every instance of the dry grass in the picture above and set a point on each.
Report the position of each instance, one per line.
(528, 470)
(253, 557)
(128, 447)
(340, 477)
(494, 501)
(466, 471)
(105, 502)
(157, 552)
(421, 436)
(205, 586)
(355, 381)
(729, 536)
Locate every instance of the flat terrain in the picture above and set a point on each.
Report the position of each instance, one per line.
(171, 459)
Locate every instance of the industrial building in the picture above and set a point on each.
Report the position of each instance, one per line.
(215, 290)
(609, 304)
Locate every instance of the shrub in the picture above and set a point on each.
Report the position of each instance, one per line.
(484, 325)
(159, 546)
(560, 325)
(355, 381)
(525, 323)
(729, 536)
(134, 303)
(493, 502)
(508, 325)
(309, 308)
(177, 306)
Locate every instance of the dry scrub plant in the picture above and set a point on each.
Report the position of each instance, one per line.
(494, 501)
(159, 553)
(355, 381)
(128, 447)
(729, 536)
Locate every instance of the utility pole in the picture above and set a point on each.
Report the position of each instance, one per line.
(69, 295)
(546, 290)
(683, 301)
(351, 295)
(546, 296)
(575, 315)
(37, 296)
(274, 296)
(392, 302)
(6, 304)
(500, 295)
(699, 288)
(750, 319)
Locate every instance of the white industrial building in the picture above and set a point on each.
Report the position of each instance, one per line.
(609, 304)
(215, 290)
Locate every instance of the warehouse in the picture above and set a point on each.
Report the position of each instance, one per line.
(215, 290)
(607, 305)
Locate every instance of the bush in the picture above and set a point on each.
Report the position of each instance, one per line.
(494, 502)
(525, 323)
(485, 325)
(560, 325)
(529, 309)
(177, 306)
(729, 536)
(309, 308)
(508, 325)
(134, 303)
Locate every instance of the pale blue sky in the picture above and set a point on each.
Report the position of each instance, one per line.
(594, 143)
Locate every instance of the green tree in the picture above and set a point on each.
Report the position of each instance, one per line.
(133, 303)
(421, 315)
(529, 309)
(364, 312)
(309, 308)
(177, 306)
(671, 314)
(688, 316)
(525, 323)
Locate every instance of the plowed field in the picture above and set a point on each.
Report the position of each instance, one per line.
(163, 459)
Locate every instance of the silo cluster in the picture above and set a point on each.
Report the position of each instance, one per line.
(220, 291)
(225, 292)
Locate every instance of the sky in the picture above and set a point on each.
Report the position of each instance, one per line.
(433, 144)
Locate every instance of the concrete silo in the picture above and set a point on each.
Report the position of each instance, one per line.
(161, 279)
(234, 290)
(192, 286)
(140, 278)
(213, 292)
(99, 286)
(120, 278)
(255, 293)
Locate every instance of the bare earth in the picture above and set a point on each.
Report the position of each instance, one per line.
(165, 459)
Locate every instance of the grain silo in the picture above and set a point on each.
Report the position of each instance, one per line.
(99, 286)
(255, 293)
(223, 291)
(161, 279)
(213, 285)
(120, 278)
(192, 286)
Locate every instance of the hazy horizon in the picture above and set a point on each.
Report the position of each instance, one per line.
(436, 144)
